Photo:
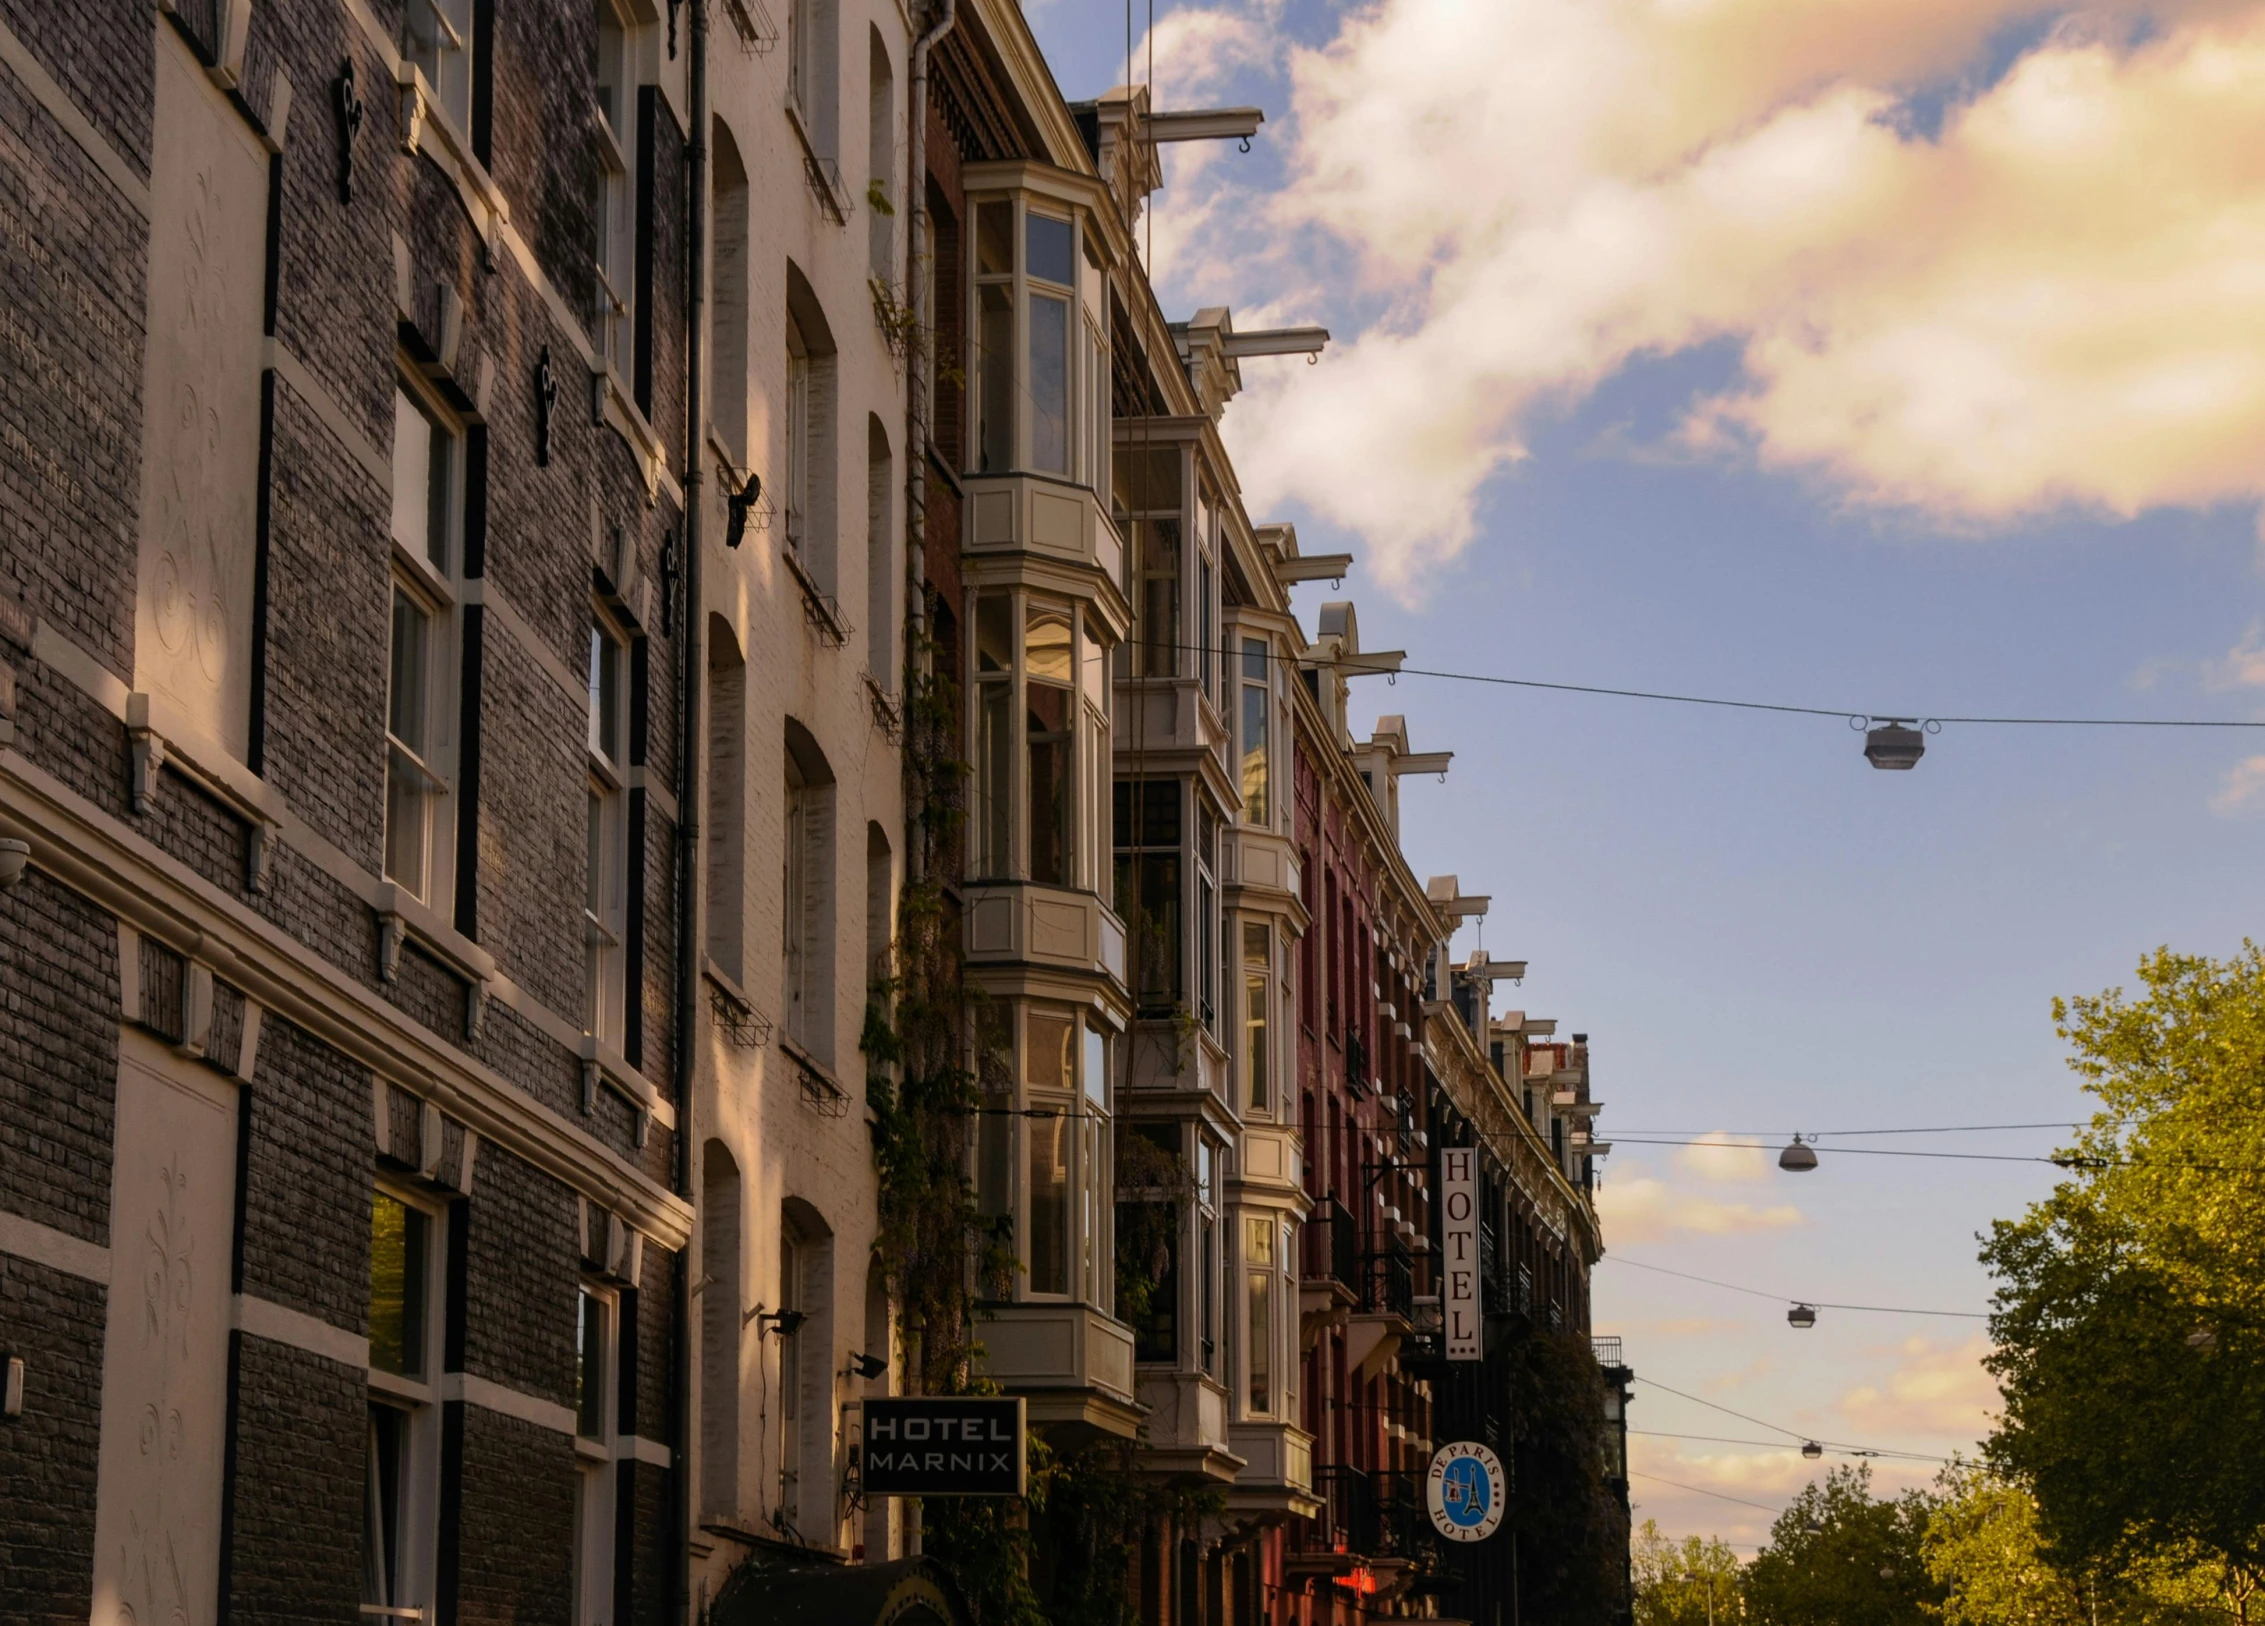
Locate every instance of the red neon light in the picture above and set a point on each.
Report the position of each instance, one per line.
(1362, 1580)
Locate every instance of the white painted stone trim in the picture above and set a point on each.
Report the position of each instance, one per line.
(278, 1325)
(495, 1397)
(650, 1452)
(64, 111)
(57, 1250)
(357, 445)
(117, 867)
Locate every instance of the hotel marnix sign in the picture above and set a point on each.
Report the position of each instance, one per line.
(944, 1445)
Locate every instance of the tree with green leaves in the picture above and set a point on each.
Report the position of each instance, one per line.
(1982, 1546)
(2130, 1312)
(1839, 1557)
(1692, 1582)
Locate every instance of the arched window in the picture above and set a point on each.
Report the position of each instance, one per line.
(719, 1331)
(807, 895)
(884, 636)
(727, 800)
(881, 162)
(727, 391)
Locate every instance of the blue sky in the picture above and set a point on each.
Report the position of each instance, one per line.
(2011, 477)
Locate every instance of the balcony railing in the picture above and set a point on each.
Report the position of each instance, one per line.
(1356, 1065)
(1388, 1284)
(1366, 1515)
(1607, 1351)
(1331, 1247)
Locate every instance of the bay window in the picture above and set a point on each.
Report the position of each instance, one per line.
(1257, 708)
(1258, 1345)
(1147, 493)
(1061, 1113)
(1148, 825)
(1258, 969)
(1037, 803)
(1040, 373)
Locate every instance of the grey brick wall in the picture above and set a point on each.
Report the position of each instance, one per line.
(306, 1199)
(58, 1056)
(295, 1506)
(516, 1523)
(47, 1456)
(521, 1279)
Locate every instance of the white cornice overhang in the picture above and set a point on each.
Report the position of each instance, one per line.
(94, 854)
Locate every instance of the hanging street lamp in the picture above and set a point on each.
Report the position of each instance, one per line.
(1894, 742)
(1803, 1316)
(1799, 1158)
(1811, 1450)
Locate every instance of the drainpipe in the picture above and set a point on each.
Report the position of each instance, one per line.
(916, 391)
(690, 935)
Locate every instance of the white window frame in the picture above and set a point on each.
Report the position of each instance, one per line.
(1258, 1067)
(1089, 866)
(448, 63)
(615, 220)
(1081, 1103)
(428, 572)
(1087, 429)
(605, 906)
(412, 1588)
(595, 1467)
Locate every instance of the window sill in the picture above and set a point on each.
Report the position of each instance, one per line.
(820, 608)
(427, 128)
(404, 919)
(604, 1065)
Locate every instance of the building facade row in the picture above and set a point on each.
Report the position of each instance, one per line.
(500, 495)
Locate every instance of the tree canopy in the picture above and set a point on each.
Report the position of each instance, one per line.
(2130, 1315)
(1839, 1557)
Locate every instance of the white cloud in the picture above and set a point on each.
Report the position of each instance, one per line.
(1719, 1159)
(2243, 784)
(2054, 300)
(1935, 1389)
(1639, 1209)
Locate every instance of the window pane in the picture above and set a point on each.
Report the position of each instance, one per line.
(994, 1166)
(995, 346)
(1047, 1051)
(1093, 667)
(1254, 1040)
(381, 1509)
(410, 705)
(994, 748)
(1047, 242)
(1047, 724)
(405, 807)
(1050, 384)
(398, 1274)
(1261, 1341)
(1046, 644)
(1254, 659)
(1155, 917)
(605, 695)
(1049, 1200)
(412, 465)
(1255, 775)
(994, 633)
(994, 239)
(1092, 1195)
(1096, 1066)
(594, 860)
(590, 1370)
(1159, 606)
(609, 63)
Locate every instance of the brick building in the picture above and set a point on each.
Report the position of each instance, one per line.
(431, 420)
(340, 1214)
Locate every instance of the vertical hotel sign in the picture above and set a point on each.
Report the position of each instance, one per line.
(1459, 1252)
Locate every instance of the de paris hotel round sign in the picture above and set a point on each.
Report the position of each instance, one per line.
(1465, 1491)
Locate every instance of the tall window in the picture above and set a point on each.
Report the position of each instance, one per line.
(1258, 967)
(808, 903)
(1207, 913)
(881, 162)
(420, 698)
(795, 488)
(606, 867)
(613, 224)
(1257, 784)
(401, 1503)
(994, 733)
(884, 632)
(726, 843)
(1148, 494)
(1049, 1077)
(728, 383)
(1049, 702)
(721, 1330)
(596, 1414)
(1259, 1270)
(792, 1350)
(1148, 887)
(1037, 802)
(436, 35)
(1039, 325)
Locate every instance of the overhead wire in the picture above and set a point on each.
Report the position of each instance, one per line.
(1777, 1428)
(1701, 1490)
(1784, 1298)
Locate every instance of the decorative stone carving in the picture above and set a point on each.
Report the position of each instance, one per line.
(165, 1370)
(201, 412)
(546, 401)
(346, 101)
